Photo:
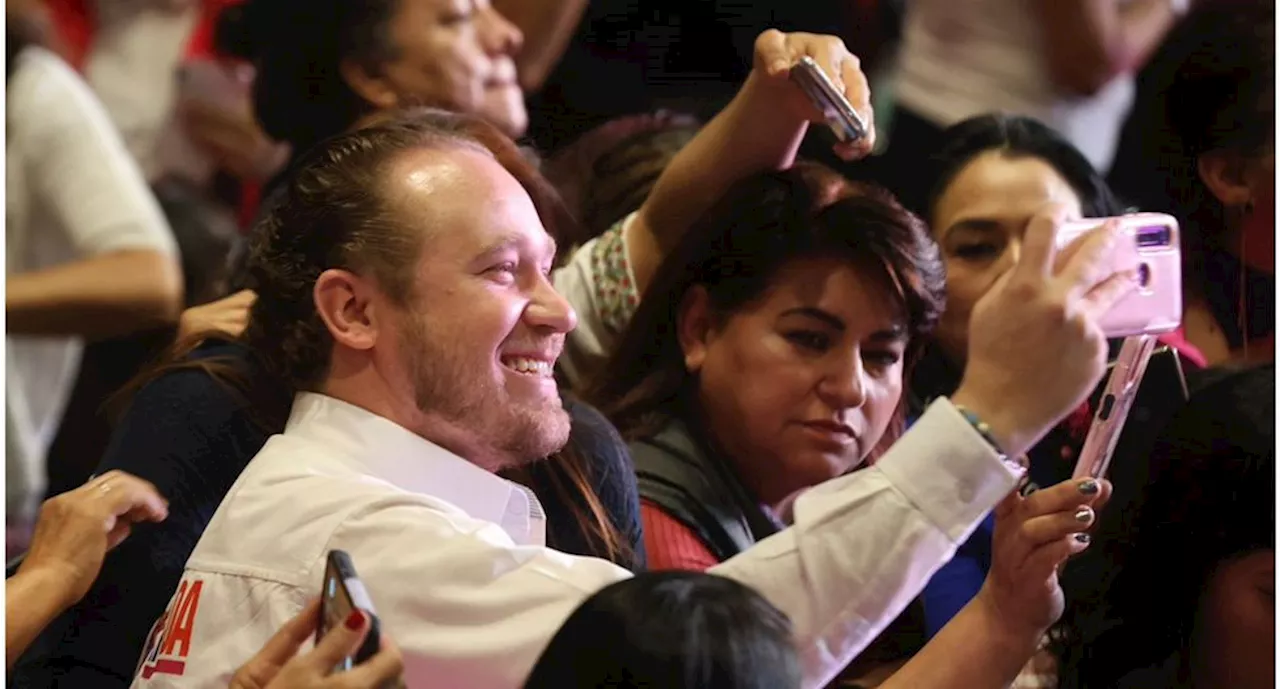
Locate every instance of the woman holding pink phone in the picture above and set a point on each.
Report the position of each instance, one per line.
(990, 177)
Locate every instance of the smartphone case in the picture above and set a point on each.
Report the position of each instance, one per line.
(1152, 244)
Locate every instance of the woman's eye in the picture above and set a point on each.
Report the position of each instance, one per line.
(813, 341)
(976, 251)
(882, 360)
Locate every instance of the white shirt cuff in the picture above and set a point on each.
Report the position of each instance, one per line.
(949, 471)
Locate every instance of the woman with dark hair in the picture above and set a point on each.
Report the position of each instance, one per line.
(1221, 107)
(990, 177)
(793, 282)
(767, 357)
(676, 630)
(792, 277)
(1188, 597)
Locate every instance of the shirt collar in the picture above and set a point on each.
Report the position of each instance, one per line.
(382, 449)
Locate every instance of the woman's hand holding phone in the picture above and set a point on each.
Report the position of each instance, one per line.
(1036, 349)
(1034, 535)
(777, 53)
(278, 665)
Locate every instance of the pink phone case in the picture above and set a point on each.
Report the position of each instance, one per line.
(1113, 410)
(1156, 306)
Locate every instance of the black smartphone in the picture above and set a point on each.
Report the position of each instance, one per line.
(343, 593)
(835, 108)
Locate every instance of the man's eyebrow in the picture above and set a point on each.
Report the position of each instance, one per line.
(514, 241)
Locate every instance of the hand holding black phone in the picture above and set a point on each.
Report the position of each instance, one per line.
(343, 594)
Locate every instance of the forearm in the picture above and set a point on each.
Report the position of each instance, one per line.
(751, 135)
(1090, 42)
(104, 296)
(974, 650)
(548, 26)
(31, 602)
(842, 583)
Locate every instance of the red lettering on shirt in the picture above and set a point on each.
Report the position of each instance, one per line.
(169, 643)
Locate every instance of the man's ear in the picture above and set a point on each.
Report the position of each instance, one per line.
(345, 302)
(694, 327)
(1225, 175)
(372, 86)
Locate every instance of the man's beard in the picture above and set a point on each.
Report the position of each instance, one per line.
(463, 395)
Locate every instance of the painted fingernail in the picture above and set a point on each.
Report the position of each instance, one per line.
(355, 620)
(1084, 515)
(1089, 487)
(1083, 538)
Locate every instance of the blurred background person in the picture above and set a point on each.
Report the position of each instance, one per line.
(1067, 63)
(88, 254)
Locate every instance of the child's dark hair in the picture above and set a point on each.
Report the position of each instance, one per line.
(676, 630)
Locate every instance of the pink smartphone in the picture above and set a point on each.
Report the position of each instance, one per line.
(1113, 409)
(1152, 245)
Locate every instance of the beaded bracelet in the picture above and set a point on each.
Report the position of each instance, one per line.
(984, 430)
(982, 427)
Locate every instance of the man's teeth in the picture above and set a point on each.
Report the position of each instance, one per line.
(533, 366)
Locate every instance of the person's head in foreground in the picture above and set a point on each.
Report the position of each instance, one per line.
(323, 65)
(1190, 601)
(992, 174)
(780, 328)
(676, 630)
(420, 287)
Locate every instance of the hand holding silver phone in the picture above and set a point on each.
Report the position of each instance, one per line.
(844, 121)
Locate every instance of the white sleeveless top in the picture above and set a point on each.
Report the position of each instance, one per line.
(962, 58)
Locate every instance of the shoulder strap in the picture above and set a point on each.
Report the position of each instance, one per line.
(673, 474)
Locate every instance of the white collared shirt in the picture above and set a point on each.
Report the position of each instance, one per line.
(453, 556)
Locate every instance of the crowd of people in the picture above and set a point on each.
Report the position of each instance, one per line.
(664, 389)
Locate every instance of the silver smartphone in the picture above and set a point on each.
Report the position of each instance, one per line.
(844, 121)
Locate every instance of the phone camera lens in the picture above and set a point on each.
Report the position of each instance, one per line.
(1144, 275)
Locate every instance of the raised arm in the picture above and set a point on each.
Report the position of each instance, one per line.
(760, 130)
(1090, 42)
